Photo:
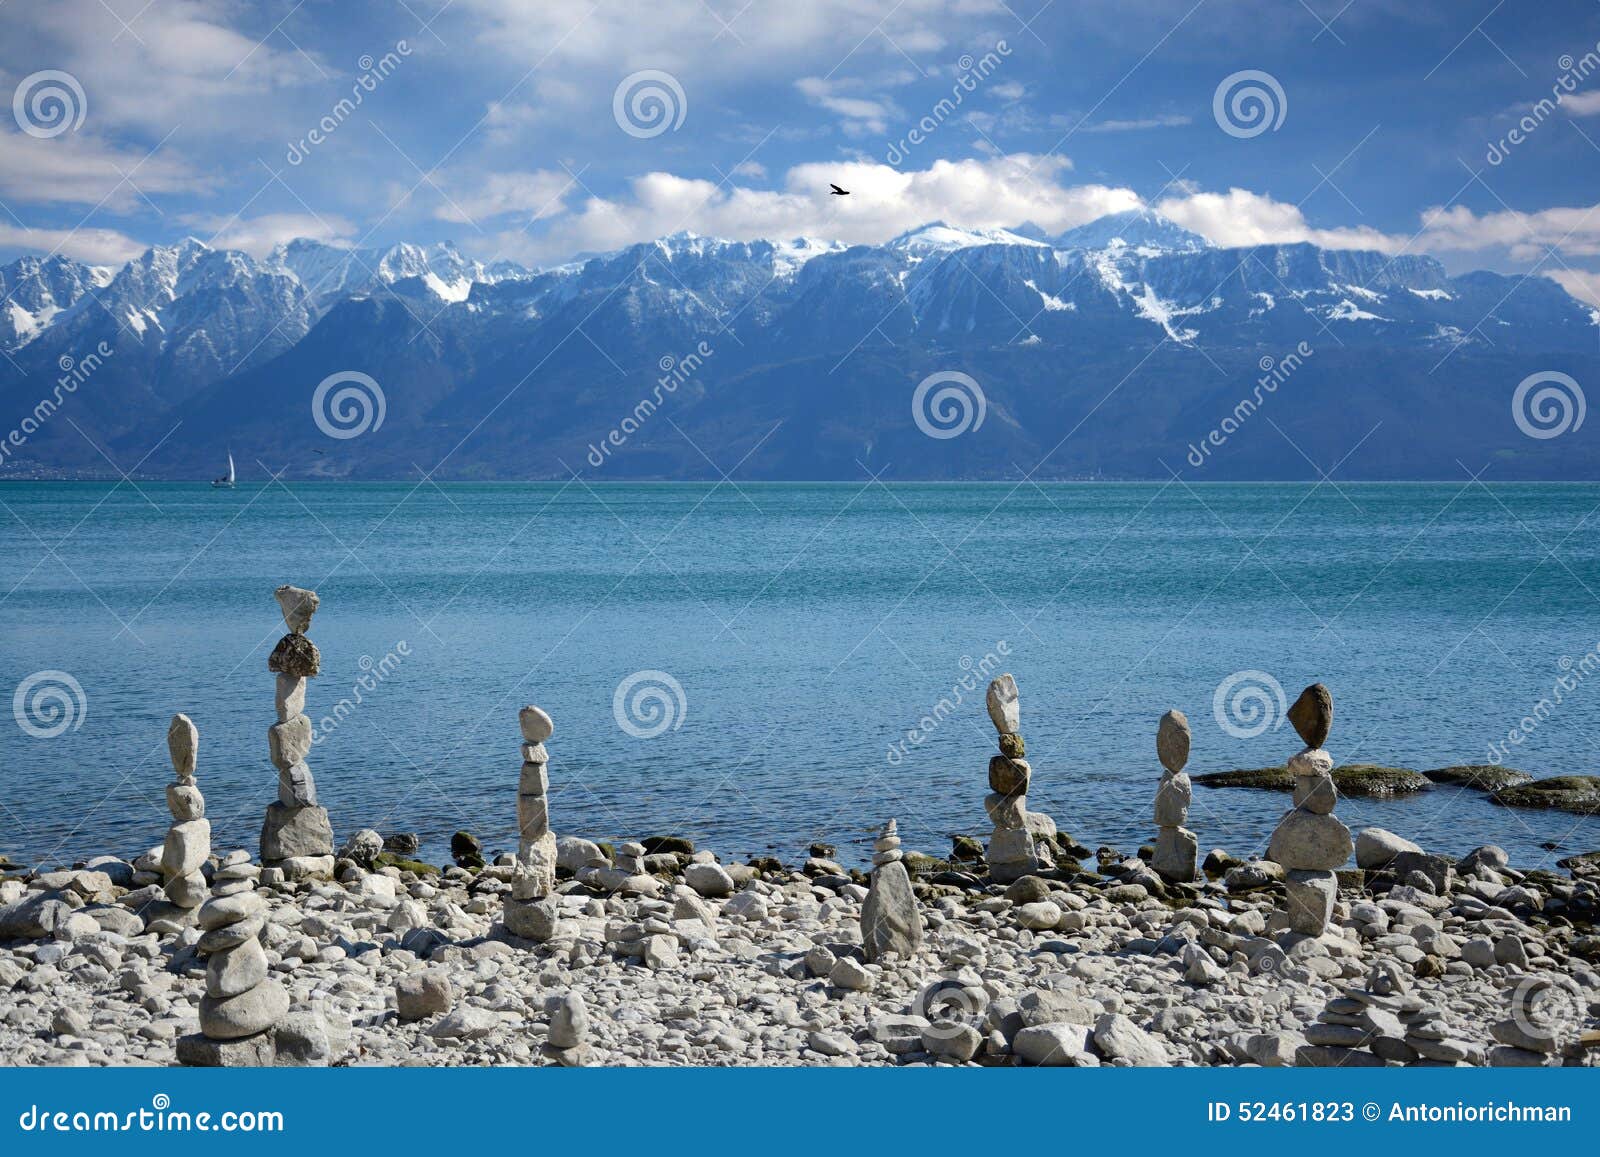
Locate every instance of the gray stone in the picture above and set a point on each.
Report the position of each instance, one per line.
(534, 779)
(296, 787)
(1310, 896)
(569, 1020)
(1174, 794)
(1309, 841)
(710, 880)
(221, 911)
(573, 853)
(289, 832)
(236, 971)
(302, 1039)
(421, 994)
(1177, 851)
(187, 846)
(537, 726)
(850, 974)
(289, 742)
(952, 1041)
(1004, 710)
(890, 921)
(183, 745)
(185, 802)
(1117, 1036)
(1172, 742)
(298, 605)
(363, 847)
(289, 696)
(531, 919)
(1007, 812)
(1375, 847)
(243, 1015)
(1056, 1045)
(198, 1051)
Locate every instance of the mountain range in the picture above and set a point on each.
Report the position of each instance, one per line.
(1125, 347)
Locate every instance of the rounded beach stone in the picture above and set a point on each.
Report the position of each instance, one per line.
(295, 655)
(1316, 793)
(298, 605)
(230, 910)
(186, 848)
(289, 742)
(187, 891)
(1312, 714)
(185, 802)
(1001, 701)
(236, 971)
(289, 696)
(183, 744)
(1172, 740)
(250, 1012)
(537, 726)
(230, 935)
(1006, 811)
(1174, 794)
(1012, 745)
(1308, 841)
(1009, 776)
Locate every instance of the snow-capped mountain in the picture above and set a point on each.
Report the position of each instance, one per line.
(822, 341)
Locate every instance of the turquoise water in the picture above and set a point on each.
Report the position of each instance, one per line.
(809, 627)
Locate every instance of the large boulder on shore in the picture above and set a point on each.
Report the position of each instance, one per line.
(890, 921)
(1377, 847)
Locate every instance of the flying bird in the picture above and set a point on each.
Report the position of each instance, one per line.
(836, 191)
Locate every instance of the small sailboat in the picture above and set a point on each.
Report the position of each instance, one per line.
(227, 480)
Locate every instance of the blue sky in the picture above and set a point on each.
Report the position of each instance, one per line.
(495, 123)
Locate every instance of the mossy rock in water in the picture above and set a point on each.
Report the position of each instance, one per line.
(922, 864)
(1353, 779)
(966, 849)
(1483, 776)
(417, 867)
(1587, 864)
(1570, 793)
(1371, 779)
(766, 864)
(667, 845)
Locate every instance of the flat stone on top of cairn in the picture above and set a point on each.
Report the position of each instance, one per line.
(527, 912)
(1177, 849)
(1310, 841)
(1012, 850)
(188, 842)
(890, 921)
(296, 836)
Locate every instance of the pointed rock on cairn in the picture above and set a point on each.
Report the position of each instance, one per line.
(1012, 852)
(890, 921)
(1310, 841)
(242, 1001)
(188, 843)
(527, 912)
(296, 837)
(1177, 849)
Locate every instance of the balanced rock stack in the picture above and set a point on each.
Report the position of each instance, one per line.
(188, 843)
(296, 837)
(1309, 841)
(1177, 849)
(242, 1001)
(890, 922)
(1383, 1022)
(535, 877)
(1011, 850)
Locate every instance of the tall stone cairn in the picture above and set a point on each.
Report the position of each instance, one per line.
(1310, 841)
(1011, 850)
(1177, 849)
(296, 837)
(526, 914)
(242, 1001)
(188, 842)
(890, 921)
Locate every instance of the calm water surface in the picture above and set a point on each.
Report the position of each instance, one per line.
(809, 627)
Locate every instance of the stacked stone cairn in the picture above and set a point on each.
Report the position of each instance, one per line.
(528, 912)
(1310, 842)
(188, 842)
(296, 837)
(242, 1001)
(1012, 853)
(890, 921)
(1177, 849)
(1380, 1023)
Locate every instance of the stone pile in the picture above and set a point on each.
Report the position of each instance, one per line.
(1383, 1022)
(568, 1042)
(242, 1001)
(1177, 849)
(1310, 842)
(890, 921)
(535, 878)
(1012, 853)
(188, 843)
(296, 837)
(1546, 1018)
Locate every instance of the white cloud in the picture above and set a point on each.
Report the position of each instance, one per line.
(860, 114)
(1581, 283)
(96, 246)
(536, 195)
(79, 169)
(1582, 104)
(1526, 236)
(258, 235)
(1240, 217)
(1130, 126)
